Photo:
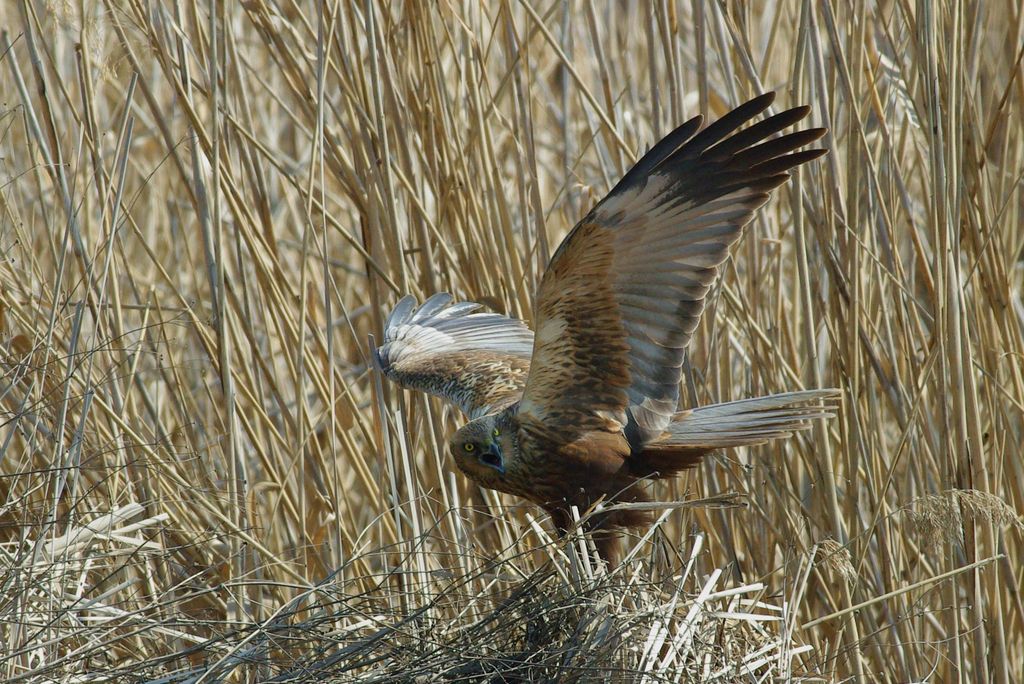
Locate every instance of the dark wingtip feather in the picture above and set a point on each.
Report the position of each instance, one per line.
(817, 133)
(728, 123)
(784, 163)
(749, 137)
(754, 105)
(661, 151)
(750, 157)
(768, 98)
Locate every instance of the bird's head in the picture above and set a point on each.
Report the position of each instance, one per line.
(482, 450)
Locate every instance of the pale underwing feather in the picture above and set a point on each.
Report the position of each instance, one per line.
(476, 361)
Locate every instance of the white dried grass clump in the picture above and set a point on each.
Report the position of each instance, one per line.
(63, 616)
(567, 621)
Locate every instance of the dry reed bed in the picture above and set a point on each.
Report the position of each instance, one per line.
(203, 218)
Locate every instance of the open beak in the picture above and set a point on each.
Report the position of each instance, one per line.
(491, 457)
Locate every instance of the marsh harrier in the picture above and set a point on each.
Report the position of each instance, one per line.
(585, 409)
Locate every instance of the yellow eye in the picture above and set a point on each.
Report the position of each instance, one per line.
(469, 446)
(497, 432)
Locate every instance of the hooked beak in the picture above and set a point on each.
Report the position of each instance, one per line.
(491, 457)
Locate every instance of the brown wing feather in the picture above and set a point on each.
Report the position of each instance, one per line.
(625, 289)
(580, 343)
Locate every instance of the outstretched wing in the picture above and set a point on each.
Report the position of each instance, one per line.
(476, 361)
(625, 289)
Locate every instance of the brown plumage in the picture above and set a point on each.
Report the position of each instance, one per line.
(586, 409)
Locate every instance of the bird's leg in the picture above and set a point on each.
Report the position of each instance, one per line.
(605, 538)
(606, 541)
(560, 518)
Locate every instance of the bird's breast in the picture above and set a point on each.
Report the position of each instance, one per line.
(578, 472)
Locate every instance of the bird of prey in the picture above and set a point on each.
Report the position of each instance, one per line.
(584, 409)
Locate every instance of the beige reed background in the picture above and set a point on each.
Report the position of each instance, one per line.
(204, 217)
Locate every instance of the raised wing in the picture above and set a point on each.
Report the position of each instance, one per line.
(476, 361)
(625, 289)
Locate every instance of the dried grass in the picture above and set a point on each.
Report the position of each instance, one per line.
(939, 518)
(204, 217)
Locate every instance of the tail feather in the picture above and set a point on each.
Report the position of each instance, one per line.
(751, 421)
(737, 423)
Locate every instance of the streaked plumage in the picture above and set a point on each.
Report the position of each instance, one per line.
(588, 407)
(477, 361)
